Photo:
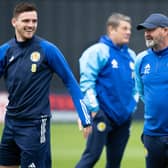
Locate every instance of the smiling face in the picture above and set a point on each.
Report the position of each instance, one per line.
(156, 38)
(25, 25)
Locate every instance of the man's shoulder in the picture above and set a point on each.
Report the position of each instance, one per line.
(141, 55)
(8, 43)
(5, 46)
(97, 48)
(97, 52)
(45, 44)
(132, 53)
(43, 41)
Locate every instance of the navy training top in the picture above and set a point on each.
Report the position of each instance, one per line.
(28, 68)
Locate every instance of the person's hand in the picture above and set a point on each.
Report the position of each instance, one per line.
(86, 131)
(79, 124)
(93, 114)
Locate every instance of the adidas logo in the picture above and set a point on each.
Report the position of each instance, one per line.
(32, 165)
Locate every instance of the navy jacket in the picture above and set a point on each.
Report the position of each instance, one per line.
(28, 68)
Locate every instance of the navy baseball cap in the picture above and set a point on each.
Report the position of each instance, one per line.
(153, 21)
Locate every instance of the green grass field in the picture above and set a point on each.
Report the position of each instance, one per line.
(67, 144)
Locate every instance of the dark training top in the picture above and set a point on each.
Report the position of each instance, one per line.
(28, 68)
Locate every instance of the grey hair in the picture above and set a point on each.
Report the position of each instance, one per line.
(115, 18)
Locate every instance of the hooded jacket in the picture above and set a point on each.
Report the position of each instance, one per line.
(107, 79)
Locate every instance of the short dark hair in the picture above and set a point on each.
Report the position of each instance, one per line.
(23, 7)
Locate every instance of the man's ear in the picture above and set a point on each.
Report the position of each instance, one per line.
(13, 22)
(110, 29)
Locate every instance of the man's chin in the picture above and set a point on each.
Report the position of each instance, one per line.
(150, 43)
(28, 37)
(125, 42)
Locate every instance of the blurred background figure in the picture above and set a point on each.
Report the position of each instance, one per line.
(107, 81)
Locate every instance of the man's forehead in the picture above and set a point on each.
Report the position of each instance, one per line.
(27, 15)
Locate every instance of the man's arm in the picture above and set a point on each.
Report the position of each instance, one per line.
(3, 49)
(60, 66)
(138, 80)
(91, 62)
